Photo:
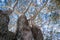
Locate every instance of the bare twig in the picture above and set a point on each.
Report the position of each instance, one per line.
(18, 12)
(37, 11)
(11, 9)
(6, 7)
(27, 8)
(15, 4)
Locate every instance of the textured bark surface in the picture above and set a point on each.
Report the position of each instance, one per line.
(4, 20)
(7, 36)
(23, 30)
(37, 34)
(4, 33)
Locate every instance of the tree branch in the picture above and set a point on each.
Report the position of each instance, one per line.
(37, 11)
(27, 8)
(15, 4)
(11, 9)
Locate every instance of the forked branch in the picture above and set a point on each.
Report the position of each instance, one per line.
(15, 4)
(11, 9)
(27, 7)
(18, 12)
(38, 11)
